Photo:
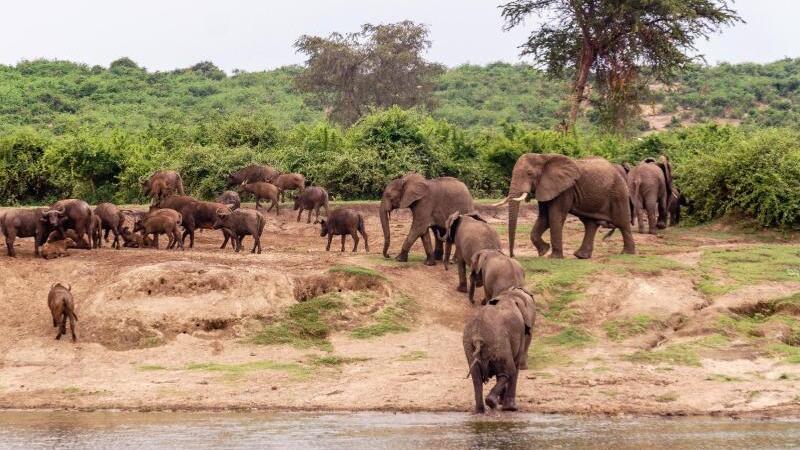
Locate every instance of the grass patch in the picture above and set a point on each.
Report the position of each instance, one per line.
(652, 265)
(729, 269)
(569, 337)
(621, 329)
(560, 282)
(415, 355)
(357, 270)
(303, 325)
(334, 361)
(542, 355)
(150, 367)
(679, 354)
(789, 353)
(294, 370)
(666, 398)
(722, 377)
(391, 319)
(72, 390)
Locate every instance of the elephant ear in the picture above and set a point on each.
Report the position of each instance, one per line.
(414, 188)
(477, 263)
(526, 309)
(558, 175)
(475, 216)
(626, 165)
(452, 227)
(663, 163)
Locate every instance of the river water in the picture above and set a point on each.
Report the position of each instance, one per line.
(369, 430)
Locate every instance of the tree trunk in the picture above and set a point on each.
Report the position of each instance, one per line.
(579, 86)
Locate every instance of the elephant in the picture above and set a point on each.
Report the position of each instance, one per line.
(590, 188)
(650, 185)
(494, 271)
(162, 184)
(470, 234)
(252, 174)
(431, 202)
(623, 169)
(496, 343)
(68, 214)
(674, 205)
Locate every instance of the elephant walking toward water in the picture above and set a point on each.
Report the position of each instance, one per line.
(650, 186)
(431, 203)
(591, 189)
(470, 234)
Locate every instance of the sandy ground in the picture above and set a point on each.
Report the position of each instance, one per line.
(173, 330)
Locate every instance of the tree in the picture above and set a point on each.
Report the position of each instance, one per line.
(380, 66)
(618, 40)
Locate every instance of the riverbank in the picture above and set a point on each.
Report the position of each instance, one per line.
(704, 321)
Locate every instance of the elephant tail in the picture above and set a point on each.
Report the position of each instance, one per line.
(608, 235)
(476, 355)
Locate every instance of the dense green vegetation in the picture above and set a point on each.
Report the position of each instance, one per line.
(68, 130)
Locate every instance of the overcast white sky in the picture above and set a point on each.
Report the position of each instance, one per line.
(258, 35)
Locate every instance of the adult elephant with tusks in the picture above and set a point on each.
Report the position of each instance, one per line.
(590, 189)
(431, 203)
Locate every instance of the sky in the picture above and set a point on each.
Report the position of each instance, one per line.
(258, 35)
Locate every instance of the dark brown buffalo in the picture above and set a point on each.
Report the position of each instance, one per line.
(341, 222)
(199, 215)
(262, 190)
(22, 223)
(111, 221)
(251, 174)
(62, 307)
(231, 199)
(176, 202)
(68, 214)
(165, 221)
(312, 198)
(96, 231)
(162, 184)
(241, 223)
(290, 181)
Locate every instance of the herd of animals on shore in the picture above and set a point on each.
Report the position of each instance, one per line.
(496, 338)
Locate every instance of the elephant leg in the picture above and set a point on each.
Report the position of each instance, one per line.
(522, 361)
(477, 385)
(556, 221)
(651, 217)
(328, 247)
(418, 230)
(355, 241)
(587, 246)
(426, 244)
(493, 399)
(462, 271)
(471, 291)
(662, 212)
(539, 227)
(438, 252)
(510, 395)
(343, 238)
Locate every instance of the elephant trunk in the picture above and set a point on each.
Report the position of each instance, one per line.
(386, 208)
(513, 214)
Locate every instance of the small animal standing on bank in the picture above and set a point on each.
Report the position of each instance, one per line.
(240, 223)
(58, 248)
(313, 198)
(62, 308)
(263, 190)
(496, 343)
(111, 221)
(163, 221)
(470, 234)
(289, 181)
(343, 222)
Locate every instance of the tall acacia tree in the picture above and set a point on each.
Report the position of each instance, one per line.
(617, 40)
(380, 66)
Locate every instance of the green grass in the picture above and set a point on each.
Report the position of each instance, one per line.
(789, 353)
(72, 390)
(653, 265)
(334, 361)
(729, 269)
(391, 319)
(621, 329)
(232, 371)
(678, 354)
(560, 282)
(413, 356)
(150, 367)
(542, 355)
(722, 377)
(304, 324)
(356, 270)
(666, 398)
(569, 337)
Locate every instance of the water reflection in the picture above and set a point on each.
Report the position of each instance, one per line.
(36, 430)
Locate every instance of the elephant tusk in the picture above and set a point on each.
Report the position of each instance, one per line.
(501, 203)
(521, 197)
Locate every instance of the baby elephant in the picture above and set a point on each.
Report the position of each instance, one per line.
(240, 223)
(164, 221)
(62, 307)
(57, 249)
(496, 272)
(496, 344)
(470, 234)
(341, 222)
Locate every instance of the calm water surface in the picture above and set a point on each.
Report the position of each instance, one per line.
(70, 430)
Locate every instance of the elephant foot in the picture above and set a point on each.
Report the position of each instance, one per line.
(462, 288)
(438, 255)
(558, 255)
(542, 248)
(583, 254)
(491, 401)
(402, 257)
(524, 364)
(628, 251)
(480, 410)
(430, 262)
(510, 406)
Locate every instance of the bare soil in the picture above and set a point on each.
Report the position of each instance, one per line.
(162, 330)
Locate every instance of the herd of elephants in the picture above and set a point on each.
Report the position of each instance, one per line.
(496, 338)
